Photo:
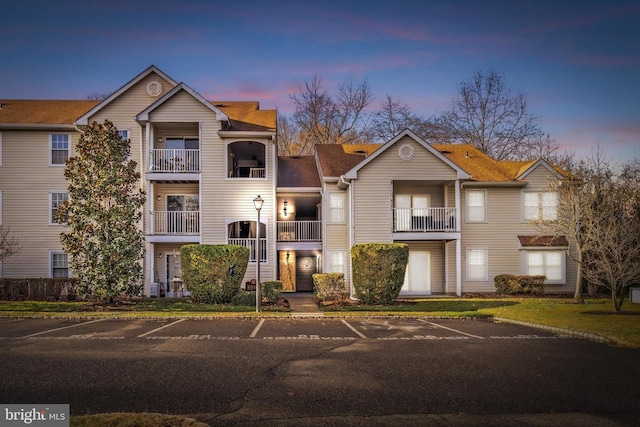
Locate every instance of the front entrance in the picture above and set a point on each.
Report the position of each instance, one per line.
(305, 268)
(417, 278)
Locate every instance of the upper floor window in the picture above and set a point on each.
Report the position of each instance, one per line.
(540, 205)
(59, 148)
(55, 200)
(476, 205)
(124, 134)
(336, 207)
(477, 264)
(246, 159)
(59, 262)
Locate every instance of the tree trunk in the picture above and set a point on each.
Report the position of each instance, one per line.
(577, 296)
(617, 295)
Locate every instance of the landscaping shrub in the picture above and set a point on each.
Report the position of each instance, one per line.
(43, 288)
(378, 271)
(244, 298)
(271, 291)
(511, 284)
(213, 273)
(329, 286)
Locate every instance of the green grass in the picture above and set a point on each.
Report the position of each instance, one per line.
(445, 307)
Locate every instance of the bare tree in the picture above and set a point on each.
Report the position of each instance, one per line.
(289, 142)
(488, 115)
(9, 245)
(325, 119)
(392, 117)
(599, 212)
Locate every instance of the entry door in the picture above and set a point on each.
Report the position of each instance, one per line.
(417, 278)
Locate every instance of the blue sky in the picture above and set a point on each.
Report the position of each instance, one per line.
(577, 61)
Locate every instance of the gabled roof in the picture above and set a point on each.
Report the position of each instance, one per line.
(84, 119)
(527, 169)
(42, 112)
(247, 116)
(480, 166)
(298, 171)
(144, 115)
(335, 160)
(353, 172)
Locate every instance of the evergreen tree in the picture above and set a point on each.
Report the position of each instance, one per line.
(104, 240)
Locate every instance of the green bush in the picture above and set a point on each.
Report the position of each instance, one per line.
(329, 286)
(244, 298)
(271, 291)
(510, 284)
(378, 271)
(213, 273)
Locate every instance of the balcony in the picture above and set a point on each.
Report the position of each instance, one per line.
(299, 231)
(250, 242)
(424, 220)
(175, 161)
(175, 223)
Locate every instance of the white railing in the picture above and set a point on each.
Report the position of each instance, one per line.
(175, 223)
(250, 243)
(424, 219)
(175, 161)
(299, 231)
(257, 173)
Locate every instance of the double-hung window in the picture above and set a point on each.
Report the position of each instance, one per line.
(336, 207)
(477, 264)
(540, 205)
(59, 262)
(336, 262)
(476, 205)
(548, 263)
(59, 148)
(55, 200)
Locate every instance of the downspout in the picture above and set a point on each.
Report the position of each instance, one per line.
(343, 184)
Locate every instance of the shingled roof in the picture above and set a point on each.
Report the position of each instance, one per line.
(247, 115)
(43, 112)
(336, 159)
(298, 171)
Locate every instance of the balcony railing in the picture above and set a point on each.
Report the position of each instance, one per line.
(175, 161)
(181, 223)
(299, 231)
(250, 243)
(424, 219)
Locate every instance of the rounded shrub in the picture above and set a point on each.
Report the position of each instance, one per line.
(378, 271)
(213, 273)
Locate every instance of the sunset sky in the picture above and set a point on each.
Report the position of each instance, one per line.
(577, 61)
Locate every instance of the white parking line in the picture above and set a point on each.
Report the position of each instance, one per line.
(160, 328)
(357, 332)
(64, 327)
(451, 329)
(256, 329)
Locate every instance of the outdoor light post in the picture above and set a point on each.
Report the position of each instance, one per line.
(257, 203)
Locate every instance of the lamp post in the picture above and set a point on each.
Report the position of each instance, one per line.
(257, 203)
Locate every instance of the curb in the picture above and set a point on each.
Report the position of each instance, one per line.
(558, 331)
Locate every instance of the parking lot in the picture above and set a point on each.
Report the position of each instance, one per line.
(266, 329)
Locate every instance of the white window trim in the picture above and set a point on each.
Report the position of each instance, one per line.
(51, 253)
(486, 267)
(539, 216)
(563, 255)
(51, 148)
(49, 207)
(329, 257)
(485, 214)
(343, 218)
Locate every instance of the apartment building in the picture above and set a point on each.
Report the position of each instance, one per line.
(464, 216)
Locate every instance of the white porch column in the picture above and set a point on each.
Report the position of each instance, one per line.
(458, 267)
(150, 268)
(458, 228)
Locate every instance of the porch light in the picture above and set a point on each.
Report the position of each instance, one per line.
(284, 210)
(257, 203)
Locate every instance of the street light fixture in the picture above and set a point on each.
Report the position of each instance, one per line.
(257, 203)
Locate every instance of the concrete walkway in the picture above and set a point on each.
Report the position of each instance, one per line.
(302, 304)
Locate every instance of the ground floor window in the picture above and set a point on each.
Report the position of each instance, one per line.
(550, 264)
(477, 264)
(59, 264)
(336, 262)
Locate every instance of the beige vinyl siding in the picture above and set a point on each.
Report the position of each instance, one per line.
(373, 189)
(26, 181)
(538, 179)
(436, 250)
(178, 189)
(499, 235)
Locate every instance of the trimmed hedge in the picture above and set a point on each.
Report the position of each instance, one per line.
(271, 290)
(213, 273)
(511, 284)
(43, 288)
(378, 271)
(329, 286)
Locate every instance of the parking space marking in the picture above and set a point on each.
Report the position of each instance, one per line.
(64, 327)
(160, 328)
(451, 329)
(256, 329)
(357, 332)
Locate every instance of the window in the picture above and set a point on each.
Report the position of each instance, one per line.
(336, 207)
(55, 200)
(59, 148)
(477, 264)
(546, 263)
(476, 205)
(336, 262)
(124, 134)
(59, 264)
(540, 205)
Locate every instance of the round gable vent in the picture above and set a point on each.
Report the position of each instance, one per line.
(154, 88)
(406, 152)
